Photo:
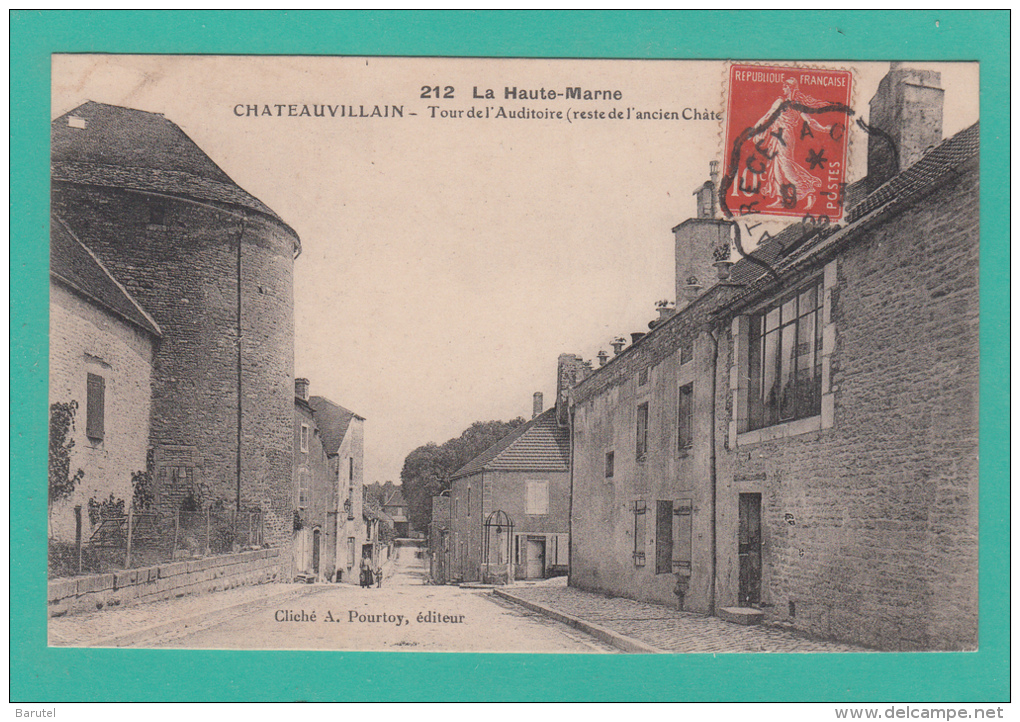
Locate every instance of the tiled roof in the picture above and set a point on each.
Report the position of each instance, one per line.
(78, 268)
(332, 420)
(370, 513)
(136, 150)
(539, 445)
(794, 242)
(395, 499)
(925, 172)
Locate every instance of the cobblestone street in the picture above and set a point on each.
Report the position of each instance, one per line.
(668, 629)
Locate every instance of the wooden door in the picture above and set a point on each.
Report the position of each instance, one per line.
(316, 543)
(536, 558)
(749, 549)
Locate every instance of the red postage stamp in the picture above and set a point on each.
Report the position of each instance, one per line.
(786, 142)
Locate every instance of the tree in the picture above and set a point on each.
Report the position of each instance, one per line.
(427, 469)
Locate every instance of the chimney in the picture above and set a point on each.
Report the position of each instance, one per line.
(697, 238)
(618, 343)
(536, 404)
(570, 370)
(636, 336)
(603, 358)
(907, 107)
(301, 389)
(665, 310)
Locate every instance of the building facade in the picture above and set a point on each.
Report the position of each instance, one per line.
(343, 439)
(509, 507)
(102, 344)
(213, 266)
(439, 539)
(315, 494)
(798, 442)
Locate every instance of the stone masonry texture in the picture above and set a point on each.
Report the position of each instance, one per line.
(184, 272)
(882, 548)
(869, 513)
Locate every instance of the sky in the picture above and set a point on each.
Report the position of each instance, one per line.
(447, 261)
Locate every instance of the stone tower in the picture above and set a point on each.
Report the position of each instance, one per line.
(214, 266)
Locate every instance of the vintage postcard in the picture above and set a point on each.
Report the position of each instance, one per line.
(513, 355)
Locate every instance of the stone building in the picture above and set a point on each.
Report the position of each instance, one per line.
(346, 532)
(102, 344)
(798, 442)
(213, 266)
(316, 493)
(509, 506)
(439, 539)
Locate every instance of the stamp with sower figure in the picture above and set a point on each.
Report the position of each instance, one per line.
(786, 142)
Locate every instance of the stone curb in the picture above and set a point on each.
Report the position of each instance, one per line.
(620, 641)
(140, 635)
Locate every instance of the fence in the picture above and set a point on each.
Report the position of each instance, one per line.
(139, 539)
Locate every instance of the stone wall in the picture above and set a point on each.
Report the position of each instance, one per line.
(869, 510)
(174, 579)
(184, 272)
(870, 527)
(676, 353)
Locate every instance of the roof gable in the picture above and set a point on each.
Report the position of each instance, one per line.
(539, 445)
(333, 421)
(73, 264)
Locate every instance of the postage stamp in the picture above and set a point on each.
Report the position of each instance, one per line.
(457, 354)
(786, 141)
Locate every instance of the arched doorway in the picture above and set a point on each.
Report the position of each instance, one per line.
(497, 543)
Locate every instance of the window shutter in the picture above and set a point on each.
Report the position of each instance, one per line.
(95, 424)
(663, 537)
(639, 508)
(683, 512)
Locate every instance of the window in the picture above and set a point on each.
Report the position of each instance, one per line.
(685, 418)
(304, 493)
(785, 359)
(642, 431)
(350, 468)
(683, 512)
(642, 377)
(350, 551)
(304, 438)
(467, 510)
(663, 537)
(639, 509)
(609, 464)
(537, 497)
(95, 409)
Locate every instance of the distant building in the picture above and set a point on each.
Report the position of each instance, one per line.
(439, 539)
(316, 493)
(212, 267)
(509, 506)
(799, 444)
(343, 439)
(395, 507)
(102, 344)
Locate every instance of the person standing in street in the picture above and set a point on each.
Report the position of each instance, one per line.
(366, 572)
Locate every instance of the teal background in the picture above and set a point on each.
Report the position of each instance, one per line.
(42, 674)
